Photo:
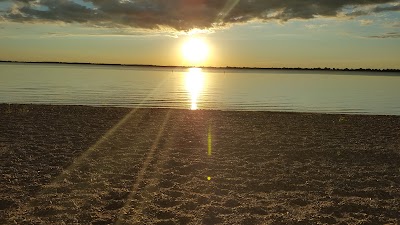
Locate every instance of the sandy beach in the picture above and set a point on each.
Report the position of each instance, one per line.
(80, 164)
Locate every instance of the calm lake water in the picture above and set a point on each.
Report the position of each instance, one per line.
(302, 91)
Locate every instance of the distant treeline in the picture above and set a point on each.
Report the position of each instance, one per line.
(208, 67)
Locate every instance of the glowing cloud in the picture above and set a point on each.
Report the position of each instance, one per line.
(184, 15)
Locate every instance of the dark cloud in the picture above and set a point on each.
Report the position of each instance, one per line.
(386, 35)
(376, 9)
(184, 14)
(387, 8)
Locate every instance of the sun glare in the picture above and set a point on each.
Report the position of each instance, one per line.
(194, 85)
(195, 50)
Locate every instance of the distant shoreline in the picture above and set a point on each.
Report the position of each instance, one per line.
(210, 67)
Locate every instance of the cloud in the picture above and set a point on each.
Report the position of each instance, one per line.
(396, 24)
(379, 9)
(106, 33)
(111, 34)
(366, 22)
(376, 9)
(184, 15)
(315, 26)
(386, 35)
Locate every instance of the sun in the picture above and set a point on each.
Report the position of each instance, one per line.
(195, 50)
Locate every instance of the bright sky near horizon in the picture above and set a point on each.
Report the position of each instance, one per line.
(251, 33)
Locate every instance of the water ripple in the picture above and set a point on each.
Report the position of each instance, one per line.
(256, 91)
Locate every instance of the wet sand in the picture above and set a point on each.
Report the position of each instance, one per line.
(78, 164)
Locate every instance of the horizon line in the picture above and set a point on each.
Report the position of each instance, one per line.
(206, 67)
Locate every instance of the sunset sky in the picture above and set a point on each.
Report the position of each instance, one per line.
(251, 33)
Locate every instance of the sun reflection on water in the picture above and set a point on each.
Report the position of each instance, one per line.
(194, 84)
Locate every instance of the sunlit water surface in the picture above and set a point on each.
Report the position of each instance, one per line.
(261, 90)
